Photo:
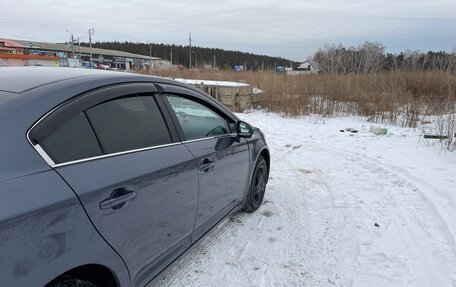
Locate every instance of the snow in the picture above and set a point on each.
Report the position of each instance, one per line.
(217, 83)
(341, 209)
(257, 90)
(212, 83)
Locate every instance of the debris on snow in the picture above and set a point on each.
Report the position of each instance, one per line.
(349, 130)
(378, 130)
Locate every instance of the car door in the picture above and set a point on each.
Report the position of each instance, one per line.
(135, 179)
(221, 156)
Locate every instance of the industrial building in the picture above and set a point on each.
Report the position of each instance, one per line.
(32, 53)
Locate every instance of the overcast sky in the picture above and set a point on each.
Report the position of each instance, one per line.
(290, 28)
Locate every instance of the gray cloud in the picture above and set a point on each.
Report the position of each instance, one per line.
(292, 29)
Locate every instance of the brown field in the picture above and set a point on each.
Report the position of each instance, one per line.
(396, 98)
(399, 98)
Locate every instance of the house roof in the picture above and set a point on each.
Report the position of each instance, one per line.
(313, 63)
(316, 65)
(67, 48)
(11, 44)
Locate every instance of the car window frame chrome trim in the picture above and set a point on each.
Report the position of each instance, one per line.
(209, 138)
(43, 154)
(52, 164)
(37, 146)
(113, 154)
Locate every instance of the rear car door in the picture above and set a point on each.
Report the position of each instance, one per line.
(221, 156)
(136, 181)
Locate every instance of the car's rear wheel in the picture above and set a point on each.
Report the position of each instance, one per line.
(73, 283)
(257, 186)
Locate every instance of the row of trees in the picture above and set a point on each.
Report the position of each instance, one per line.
(371, 58)
(368, 58)
(200, 57)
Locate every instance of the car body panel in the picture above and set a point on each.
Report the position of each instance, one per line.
(225, 182)
(160, 216)
(44, 232)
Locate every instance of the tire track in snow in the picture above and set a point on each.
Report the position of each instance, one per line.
(422, 230)
(324, 203)
(273, 250)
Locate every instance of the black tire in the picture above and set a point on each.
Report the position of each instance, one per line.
(257, 186)
(73, 283)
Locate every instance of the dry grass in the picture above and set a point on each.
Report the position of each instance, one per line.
(401, 98)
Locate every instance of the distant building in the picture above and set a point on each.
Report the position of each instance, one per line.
(29, 53)
(13, 53)
(306, 67)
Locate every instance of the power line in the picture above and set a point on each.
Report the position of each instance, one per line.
(26, 21)
(111, 35)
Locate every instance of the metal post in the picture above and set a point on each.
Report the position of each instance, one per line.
(150, 56)
(190, 51)
(91, 32)
(79, 49)
(196, 60)
(72, 45)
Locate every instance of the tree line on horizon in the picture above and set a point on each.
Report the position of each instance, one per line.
(201, 57)
(371, 57)
(367, 58)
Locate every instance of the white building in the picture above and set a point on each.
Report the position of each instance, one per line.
(306, 67)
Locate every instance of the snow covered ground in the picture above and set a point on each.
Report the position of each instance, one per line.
(341, 209)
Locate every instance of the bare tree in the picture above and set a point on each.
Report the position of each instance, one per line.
(372, 57)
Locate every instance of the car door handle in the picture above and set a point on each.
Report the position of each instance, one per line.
(206, 166)
(116, 202)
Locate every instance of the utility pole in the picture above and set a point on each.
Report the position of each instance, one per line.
(150, 56)
(196, 60)
(245, 66)
(171, 56)
(72, 45)
(91, 32)
(190, 51)
(215, 57)
(79, 50)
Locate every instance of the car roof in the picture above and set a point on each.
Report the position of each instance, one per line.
(21, 79)
(17, 81)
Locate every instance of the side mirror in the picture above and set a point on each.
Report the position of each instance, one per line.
(243, 129)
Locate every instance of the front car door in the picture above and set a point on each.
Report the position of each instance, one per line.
(136, 180)
(221, 156)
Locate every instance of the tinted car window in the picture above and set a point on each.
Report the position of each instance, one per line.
(73, 140)
(197, 121)
(128, 123)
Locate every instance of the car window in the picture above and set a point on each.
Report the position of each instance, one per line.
(128, 123)
(73, 140)
(197, 121)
